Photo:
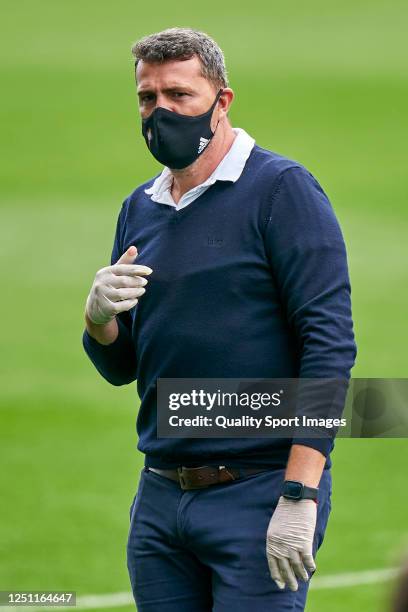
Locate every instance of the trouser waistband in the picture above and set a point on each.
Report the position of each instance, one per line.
(205, 475)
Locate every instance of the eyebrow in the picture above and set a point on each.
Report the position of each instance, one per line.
(166, 89)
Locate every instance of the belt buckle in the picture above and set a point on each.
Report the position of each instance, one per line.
(181, 478)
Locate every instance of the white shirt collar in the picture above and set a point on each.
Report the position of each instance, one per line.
(229, 169)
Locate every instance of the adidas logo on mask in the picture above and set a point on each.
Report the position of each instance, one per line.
(203, 143)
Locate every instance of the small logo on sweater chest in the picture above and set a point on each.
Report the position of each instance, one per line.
(215, 241)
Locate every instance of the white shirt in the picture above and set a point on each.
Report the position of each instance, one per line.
(229, 169)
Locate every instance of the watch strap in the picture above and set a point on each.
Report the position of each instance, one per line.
(295, 490)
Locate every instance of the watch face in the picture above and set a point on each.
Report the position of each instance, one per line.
(293, 489)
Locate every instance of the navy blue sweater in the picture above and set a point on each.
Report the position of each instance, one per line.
(250, 280)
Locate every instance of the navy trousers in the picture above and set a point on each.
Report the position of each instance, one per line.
(204, 550)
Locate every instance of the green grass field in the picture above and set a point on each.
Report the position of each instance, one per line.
(324, 84)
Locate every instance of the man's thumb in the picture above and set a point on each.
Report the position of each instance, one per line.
(128, 256)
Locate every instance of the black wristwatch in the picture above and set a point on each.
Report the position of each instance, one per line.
(295, 490)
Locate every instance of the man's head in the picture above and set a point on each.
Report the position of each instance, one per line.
(183, 44)
(182, 70)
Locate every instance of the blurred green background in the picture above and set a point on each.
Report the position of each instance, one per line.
(323, 83)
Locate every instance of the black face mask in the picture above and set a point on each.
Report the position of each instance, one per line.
(177, 140)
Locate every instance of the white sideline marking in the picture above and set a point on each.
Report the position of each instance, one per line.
(353, 578)
(125, 598)
(112, 600)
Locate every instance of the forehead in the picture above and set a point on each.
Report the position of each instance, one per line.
(170, 73)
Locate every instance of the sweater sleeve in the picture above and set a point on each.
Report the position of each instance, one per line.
(307, 254)
(116, 362)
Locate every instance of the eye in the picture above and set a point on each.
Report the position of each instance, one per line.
(179, 94)
(146, 97)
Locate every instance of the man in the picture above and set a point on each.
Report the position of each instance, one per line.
(228, 264)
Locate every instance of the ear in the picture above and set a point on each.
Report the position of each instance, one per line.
(225, 101)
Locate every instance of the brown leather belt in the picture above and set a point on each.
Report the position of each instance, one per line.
(206, 475)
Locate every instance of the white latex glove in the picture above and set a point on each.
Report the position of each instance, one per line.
(116, 288)
(289, 541)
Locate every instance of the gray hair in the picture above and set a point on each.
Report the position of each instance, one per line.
(182, 44)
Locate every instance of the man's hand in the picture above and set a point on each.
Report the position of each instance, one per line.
(116, 288)
(289, 541)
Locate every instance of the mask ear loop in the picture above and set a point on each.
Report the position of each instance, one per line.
(215, 102)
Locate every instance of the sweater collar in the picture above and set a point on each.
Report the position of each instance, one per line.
(229, 169)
